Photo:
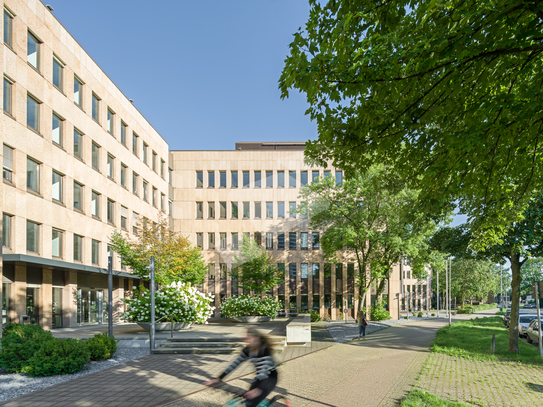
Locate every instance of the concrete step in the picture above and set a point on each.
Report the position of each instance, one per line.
(273, 340)
(195, 350)
(203, 345)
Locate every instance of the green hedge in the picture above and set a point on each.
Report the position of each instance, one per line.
(470, 309)
(101, 347)
(60, 356)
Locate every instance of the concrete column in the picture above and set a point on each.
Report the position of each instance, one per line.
(118, 295)
(287, 288)
(69, 300)
(333, 291)
(46, 298)
(217, 285)
(18, 293)
(322, 310)
(344, 288)
(394, 295)
(309, 287)
(298, 286)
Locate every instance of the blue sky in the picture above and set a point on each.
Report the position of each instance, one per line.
(204, 73)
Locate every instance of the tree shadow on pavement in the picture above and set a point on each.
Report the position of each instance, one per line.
(535, 387)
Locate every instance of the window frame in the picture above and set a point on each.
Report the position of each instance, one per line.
(95, 209)
(95, 158)
(78, 94)
(124, 132)
(8, 23)
(60, 128)
(110, 121)
(38, 164)
(6, 229)
(110, 167)
(7, 98)
(7, 162)
(79, 144)
(60, 187)
(37, 237)
(37, 108)
(58, 63)
(80, 186)
(38, 43)
(124, 172)
(110, 211)
(95, 252)
(95, 107)
(60, 244)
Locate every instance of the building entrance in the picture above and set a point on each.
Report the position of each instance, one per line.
(89, 306)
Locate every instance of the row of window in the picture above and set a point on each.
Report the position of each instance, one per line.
(257, 180)
(305, 270)
(246, 210)
(271, 240)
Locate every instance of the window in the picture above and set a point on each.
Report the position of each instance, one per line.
(315, 176)
(269, 179)
(200, 240)
(154, 197)
(350, 270)
(32, 236)
(32, 175)
(327, 271)
(304, 270)
(153, 162)
(303, 241)
(162, 203)
(280, 179)
(6, 230)
(32, 113)
(292, 209)
(110, 166)
(170, 207)
(234, 210)
(199, 179)
(135, 138)
(258, 210)
(269, 240)
(246, 213)
(292, 179)
(269, 210)
(33, 51)
(234, 176)
(222, 179)
(170, 176)
(303, 178)
(235, 245)
(246, 179)
(292, 270)
(144, 150)
(339, 270)
(258, 179)
(58, 68)
(145, 191)
(292, 240)
(78, 92)
(95, 204)
(8, 28)
(111, 211)
(199, 210)
(135, 183)
(222, 238)
(339, 178)
(258, 238)
(95, 250)
(57, 186)
(78, 144)
(162, 162)
(78, 248)
(316, 240)
(7, 166)
(96, 156)
(95, 107)
(211, 272)
(211, 241)
(78, 196)
(124, 129)
(124, 217)
(222, 208)
(124, 170)
(7, 95)
(211, 179)
(56, 243)
(280, 209)
(57, 129)
(224, 272)
(316, 270)
(211, 210)
(281, 241)
(326, 174)
(110, 125)
(135, 218)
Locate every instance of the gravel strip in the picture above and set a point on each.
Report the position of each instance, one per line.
(18, 384)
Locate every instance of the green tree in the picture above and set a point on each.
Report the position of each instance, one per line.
(175, 258)
(254, 269)
(472, 280)
(532, 271)
(372, 223)
(446, 93)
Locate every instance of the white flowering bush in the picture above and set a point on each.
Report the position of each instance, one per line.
(245, 305)
(181, 300)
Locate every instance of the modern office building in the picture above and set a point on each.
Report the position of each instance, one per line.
(79, 161)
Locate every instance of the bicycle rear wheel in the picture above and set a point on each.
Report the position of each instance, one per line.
(280, 401)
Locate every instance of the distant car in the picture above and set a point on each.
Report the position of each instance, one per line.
(524, 322)
(507, 317)
(532, 333)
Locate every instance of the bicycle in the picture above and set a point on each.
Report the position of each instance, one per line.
(238, 400)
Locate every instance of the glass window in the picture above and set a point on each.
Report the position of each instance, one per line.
(269, 179)
(234, 210)
(6, 230)
(280, 179)
(246, 213)
(135, 183)
(78, 92)
(95, 204)
(316, 301)
(315, 176)
(326, 174)
(78, 196)
(33, 51)
(170, 207)
(246, 182)
(292, 209)
(339, 270)
(235, 244)
(328, 301)
(292, 240)
(7, 96)
(316, 240)
(199, 210)
(350, 270)
(110, 166)
(258, 210)
(32, 113)
(124, 217)
(222, 179)
(304, 270)
(303, 178)
(280, 241)
(170, 176)
(200, 240)
(7, 166)
(269, 240)
(32, 175)
(58, 67)
(339, 178)
(124, 129)
(234, 175)
(144, 151)
(211, 241)
(258, 179)
(280, 209)
(162, 202)
(135, 218)
(199, 179)
(96, 156)
(211, 179)
(124, 171)
(95, 107)
(211, 272)
(269, 210)
(303, 241)
(8, 28)
(56, 246)
(327, 271)
(57, 186)
(292, 270)
(222, 238)
(258, 238)
(32, 236)
(57, 129)
(211, 210)
(154, 197)
(153, 162)
(224, 272)
(292, 179)
(110, 211)
(145, 191)
(95, 250)
(78, 144)
(135, 139)
(222, 208)
(110, 125)
(316, 270)
(162, 162)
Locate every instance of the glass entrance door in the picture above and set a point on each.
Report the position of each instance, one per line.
(89, 306)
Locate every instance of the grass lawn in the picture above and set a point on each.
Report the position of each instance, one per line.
(472, 339)
(419, 398)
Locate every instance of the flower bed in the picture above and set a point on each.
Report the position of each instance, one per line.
(181, 300)
(245, 305)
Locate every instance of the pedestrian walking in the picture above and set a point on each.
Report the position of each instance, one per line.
(362, 323)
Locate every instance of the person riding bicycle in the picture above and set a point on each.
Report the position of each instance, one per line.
(258, 351)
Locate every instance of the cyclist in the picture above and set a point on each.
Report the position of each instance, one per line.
(258, 351)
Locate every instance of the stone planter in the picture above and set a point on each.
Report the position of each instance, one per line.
(252, 319)
(166, 326)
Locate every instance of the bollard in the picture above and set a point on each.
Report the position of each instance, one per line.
(493, 344)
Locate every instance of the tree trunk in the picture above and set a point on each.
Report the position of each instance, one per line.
(515, 297)
(381, 288)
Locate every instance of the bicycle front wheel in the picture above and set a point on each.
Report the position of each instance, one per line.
(280, 401)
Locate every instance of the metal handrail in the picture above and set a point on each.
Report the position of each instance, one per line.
(158, 320)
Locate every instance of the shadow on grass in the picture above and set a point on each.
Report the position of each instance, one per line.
(535, 387)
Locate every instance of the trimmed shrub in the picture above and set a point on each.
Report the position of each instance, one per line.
(59, 356)
(20, 343)
(101, 347)
(315, 316)
(433, 314)
(420, 314)
(245, 305)
(379, 313)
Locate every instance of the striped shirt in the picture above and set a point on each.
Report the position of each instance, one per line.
(264, 363)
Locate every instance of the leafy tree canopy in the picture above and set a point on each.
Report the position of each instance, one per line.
(472, 280)
(446, 93)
